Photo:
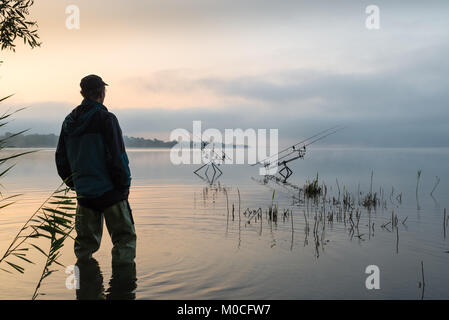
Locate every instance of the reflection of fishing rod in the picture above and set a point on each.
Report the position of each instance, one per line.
(211, 163)
(293, 192)
(293, 147)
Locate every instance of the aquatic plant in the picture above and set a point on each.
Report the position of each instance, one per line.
(273, 209)
(437, 182)
(4, 140)
(312, 189)
(417, 185)
(422, 283)
(273, 213)
(53, 220)
(418, 177)
(348, 201)
(444, 223)
(370, 201)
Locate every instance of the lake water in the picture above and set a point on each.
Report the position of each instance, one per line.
(190, 247)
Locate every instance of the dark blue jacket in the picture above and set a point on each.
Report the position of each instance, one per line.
(91, 154)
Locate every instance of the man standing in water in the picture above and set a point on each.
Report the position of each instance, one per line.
(91, 158)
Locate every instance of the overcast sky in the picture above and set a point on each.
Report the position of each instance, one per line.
(298, 66)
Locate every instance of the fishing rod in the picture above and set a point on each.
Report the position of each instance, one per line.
(303, 148)
(285, 171)
(204, 144)
(293, 147)
(322, 137)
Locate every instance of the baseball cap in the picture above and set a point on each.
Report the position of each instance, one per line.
(92, 81)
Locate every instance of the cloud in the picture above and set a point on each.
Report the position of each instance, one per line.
(404, 88)
(401, 100)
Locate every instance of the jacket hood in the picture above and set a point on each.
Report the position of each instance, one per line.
(77, 121)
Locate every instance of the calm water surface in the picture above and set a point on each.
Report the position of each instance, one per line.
(189, 247)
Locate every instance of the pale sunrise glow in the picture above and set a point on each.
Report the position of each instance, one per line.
(245, 64)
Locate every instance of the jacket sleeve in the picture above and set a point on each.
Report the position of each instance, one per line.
(116, 157)
(62, 163)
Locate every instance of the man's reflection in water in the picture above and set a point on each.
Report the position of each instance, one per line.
(90, 281)
(123, 282)
(122, 285)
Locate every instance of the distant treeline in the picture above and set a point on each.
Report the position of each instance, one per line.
(133, 142)
(51, 140)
